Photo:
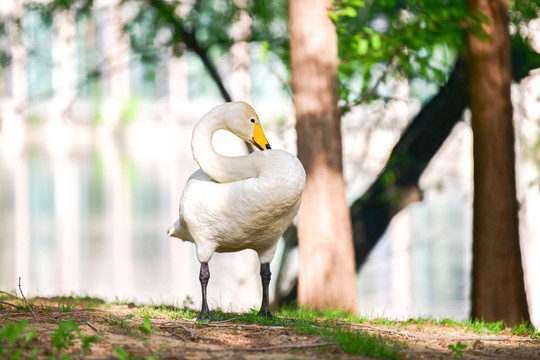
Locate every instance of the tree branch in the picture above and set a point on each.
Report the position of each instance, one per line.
(187, 36)
(372, 212)
(191, 43)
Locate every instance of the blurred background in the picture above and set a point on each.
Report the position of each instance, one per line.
(95, 134)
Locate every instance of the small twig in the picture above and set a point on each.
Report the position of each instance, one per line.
(191, 333)
(8, 294)
(371, 93)
(93, 327)
(178, 326)
(24, 298)
(12, 314)
(282, 347)
(209, 339)
(10, 304)
(155, 312)
(176, 336)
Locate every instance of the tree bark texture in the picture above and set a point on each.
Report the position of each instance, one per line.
(498, 291)
(327, 276)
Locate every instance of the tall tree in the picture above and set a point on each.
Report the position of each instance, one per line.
(498, 291)
(327, 275)
(372, 212)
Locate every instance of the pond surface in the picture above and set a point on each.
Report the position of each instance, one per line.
(86, 213)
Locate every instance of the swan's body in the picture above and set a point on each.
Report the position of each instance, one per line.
(237, 203)
(245, 214)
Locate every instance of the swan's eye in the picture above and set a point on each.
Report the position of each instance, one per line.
(252, 120)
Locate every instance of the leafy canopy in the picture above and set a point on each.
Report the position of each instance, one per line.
(377, 40)
(412, 39)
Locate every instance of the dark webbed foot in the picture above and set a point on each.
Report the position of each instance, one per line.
(204, 315)
(266, 314)
(209, 316)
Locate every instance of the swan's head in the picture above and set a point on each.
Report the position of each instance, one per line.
(243, 121)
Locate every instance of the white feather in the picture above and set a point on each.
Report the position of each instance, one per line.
(237, 203)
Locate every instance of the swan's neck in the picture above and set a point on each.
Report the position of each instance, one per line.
(221, 168)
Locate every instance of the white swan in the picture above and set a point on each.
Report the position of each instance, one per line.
(237, 203)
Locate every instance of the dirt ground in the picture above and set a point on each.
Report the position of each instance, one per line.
(118, 326)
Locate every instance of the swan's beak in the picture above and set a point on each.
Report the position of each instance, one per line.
(259, 139)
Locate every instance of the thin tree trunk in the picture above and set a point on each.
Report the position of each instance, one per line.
(64, 69)
(240, 79)
(240, 83)
(498, 291)
(327, 276)
(116, 65)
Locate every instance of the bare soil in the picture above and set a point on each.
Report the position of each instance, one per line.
(117, 326)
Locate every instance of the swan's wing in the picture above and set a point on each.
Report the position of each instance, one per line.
(200, 176)
(251, 213)
(179, 229)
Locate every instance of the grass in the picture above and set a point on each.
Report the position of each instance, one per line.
(329, 324)
(165, 311)
(14, 337)
(479, 326)
(335, 327)
(457, 349)
(66, 333)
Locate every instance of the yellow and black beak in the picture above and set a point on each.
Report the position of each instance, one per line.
(259, 139)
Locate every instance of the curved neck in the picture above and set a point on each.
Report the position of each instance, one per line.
(221, 168)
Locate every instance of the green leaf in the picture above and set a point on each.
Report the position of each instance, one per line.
(121, 353)
(363, 46)
(349, 11)
(31, 334)
(87, 342)
(369, 31)
(357, 3)
(64, 335)
(265, 50)
(146, 327)
(457, 349)
(17, 354)
(376, 41)
(333, 16)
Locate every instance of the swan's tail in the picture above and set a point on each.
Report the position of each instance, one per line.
(178, 231)
(174, 230)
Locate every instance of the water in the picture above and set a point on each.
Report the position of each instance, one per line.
(85, 212)
(89, 217)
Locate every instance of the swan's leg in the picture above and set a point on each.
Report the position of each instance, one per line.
(265, 278)
(204, 275)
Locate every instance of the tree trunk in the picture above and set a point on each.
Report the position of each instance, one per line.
(421, 142)
(498, 291)
(116, 64)
(327, 276)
